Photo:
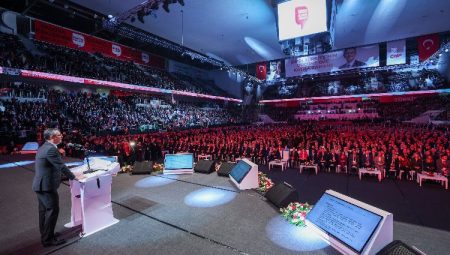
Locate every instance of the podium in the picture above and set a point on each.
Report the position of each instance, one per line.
(91, 197)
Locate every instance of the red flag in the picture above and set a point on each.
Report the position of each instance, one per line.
(428, 45)
(261, 71)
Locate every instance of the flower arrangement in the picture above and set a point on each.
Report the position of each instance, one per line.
(126, 169)
(158, 167)
(296, 213)
(265, 183)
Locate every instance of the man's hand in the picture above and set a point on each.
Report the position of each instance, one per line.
(80, 177)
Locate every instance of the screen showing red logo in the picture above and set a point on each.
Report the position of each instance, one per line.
(301, 15)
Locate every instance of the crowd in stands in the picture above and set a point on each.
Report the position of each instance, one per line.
(97, 114)
(400, 80)
(406, 110)
(66, 61)
(402, 109)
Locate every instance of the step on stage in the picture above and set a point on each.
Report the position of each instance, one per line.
(206, 214)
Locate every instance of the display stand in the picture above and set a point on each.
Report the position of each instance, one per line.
(336, 214)
(250, 181)
(91, 197)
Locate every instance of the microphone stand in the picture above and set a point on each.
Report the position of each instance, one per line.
(86, 155)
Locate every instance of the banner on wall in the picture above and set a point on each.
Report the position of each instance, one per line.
(274, 70)
(75, 40)
(428, 45)
(261, 71)
(349, 58)
(396, 52)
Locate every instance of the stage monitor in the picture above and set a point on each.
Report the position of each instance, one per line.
(240, 170)
(178, 163)
(352, 223)
(297, 18)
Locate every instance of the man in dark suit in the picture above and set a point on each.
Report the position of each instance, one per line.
(47, 179)
(350, 58)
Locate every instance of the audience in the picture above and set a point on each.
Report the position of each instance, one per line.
(54, 59)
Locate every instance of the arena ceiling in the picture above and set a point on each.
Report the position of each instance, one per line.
(245, 31)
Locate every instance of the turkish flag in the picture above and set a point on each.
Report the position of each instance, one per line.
(261, 71)
(428, 45)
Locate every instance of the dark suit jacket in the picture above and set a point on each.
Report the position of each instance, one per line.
(357, 63)
(49, 167)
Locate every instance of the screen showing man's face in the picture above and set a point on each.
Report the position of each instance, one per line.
(349, 54)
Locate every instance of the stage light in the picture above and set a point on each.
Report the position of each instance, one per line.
(210, 197)
(156, 181)
(446, 50)
(110, 16)
(18, 163)
(132, 143)
(291, 237)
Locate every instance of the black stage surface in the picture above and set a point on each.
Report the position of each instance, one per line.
(177, 214)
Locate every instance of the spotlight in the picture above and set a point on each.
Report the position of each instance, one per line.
(110, 16)
(132, 143)
(446, 50)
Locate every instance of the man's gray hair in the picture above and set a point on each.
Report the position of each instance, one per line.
(48, 133)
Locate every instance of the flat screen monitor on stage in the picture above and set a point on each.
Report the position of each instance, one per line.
(240, 170)
(347, 222)
(178, 163)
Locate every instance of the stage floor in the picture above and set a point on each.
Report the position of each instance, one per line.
(205, 214)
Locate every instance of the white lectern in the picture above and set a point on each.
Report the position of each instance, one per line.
(91, 197)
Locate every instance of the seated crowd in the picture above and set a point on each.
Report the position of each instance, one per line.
(66, 61)
(393, 149)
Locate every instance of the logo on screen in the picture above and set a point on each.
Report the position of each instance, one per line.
(301, 15)
(145, 58)
(116, 50)
(78, 40)
(395, 53)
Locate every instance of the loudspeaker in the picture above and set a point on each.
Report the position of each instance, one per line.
(205, 166)
(142, 167)
(399, 247)
(225, 169)
(282, 194)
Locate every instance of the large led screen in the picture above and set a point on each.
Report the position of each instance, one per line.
(298, 18)
(178, 161)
